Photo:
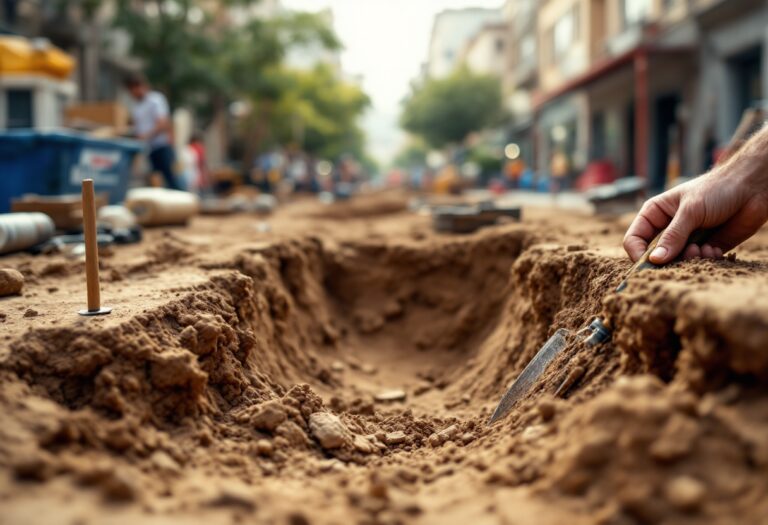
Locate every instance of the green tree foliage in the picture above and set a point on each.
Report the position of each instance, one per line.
(198, 59)
(318, 112)
(445, 111)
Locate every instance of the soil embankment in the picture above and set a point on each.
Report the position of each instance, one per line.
(339, 367)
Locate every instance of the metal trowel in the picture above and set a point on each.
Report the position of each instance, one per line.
(593, 334)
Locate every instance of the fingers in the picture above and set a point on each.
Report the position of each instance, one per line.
(705, 251)
(691, 252)
(651, 218)
(675, 237)
(741, 226)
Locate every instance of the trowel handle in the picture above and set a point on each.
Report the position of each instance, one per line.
(643, 263)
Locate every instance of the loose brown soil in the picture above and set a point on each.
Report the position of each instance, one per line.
(339, 367)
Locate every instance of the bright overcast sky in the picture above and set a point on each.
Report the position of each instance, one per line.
(385, 42)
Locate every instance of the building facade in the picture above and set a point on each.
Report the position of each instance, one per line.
(648, 87)
(451, 31)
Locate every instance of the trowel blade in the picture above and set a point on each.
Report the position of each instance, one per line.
(532, 372)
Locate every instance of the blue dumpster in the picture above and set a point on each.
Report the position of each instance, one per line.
(55, 163)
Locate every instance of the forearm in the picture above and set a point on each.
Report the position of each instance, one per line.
(749, 165)
(162, 126)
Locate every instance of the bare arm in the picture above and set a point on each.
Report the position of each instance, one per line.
(732, 199)
(162, 125)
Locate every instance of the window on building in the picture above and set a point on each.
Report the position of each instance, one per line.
(564, 33)
(499, 45)
(670, 4)
(635, 11)
(19, 109)
(528, 48)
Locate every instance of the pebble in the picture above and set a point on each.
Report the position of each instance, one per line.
(162, 461)
(32, 467)
(337, 366)
(328, 430)
(395, 438)
(264, 447)
(422, 388)
(233, 494)
(30, 313)
(546, 410)
(120, 485)
(269, 416)
(11, 282)
(449, 433)
(685, 493)
(389, 396)
(363, 445)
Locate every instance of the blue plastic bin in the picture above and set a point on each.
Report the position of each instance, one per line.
(55, 163)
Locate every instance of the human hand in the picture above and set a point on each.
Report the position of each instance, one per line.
(731, 201)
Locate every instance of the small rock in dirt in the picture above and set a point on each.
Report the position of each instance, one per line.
(363, 445)
(264, 447)
(268, 416)
(377, 487)
(395, 438)
(546, 410)
(11, 282)
(389, 396)
(293, 433)
(369, 369)
(594, 451)
(422, 388)
(449, 433)
(685, 493)
(328, 430)
(331, 465)
(337, 366)
(676, 440)
(297, 518)
(30, 312)
(162, 461)
(120, 485)
(233, 494)
(33, 467)
(467, 438)
(534, 433)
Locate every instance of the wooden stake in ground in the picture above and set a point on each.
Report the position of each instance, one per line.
(91, 253)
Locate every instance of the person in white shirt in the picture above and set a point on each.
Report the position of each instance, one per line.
(152, 124)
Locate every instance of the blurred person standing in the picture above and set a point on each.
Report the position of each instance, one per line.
(197, 146)
(559, 169)
(152, 124)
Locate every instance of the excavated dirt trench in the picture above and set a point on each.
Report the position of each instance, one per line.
(249, 394)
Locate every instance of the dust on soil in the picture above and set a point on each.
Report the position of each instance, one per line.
(339, 367)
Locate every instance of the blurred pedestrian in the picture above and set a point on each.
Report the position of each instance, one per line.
(196, 144)
(152, 124)
(559, 168)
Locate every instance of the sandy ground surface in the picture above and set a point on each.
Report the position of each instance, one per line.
(339, 367)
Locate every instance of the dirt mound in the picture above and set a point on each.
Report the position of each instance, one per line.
(324, 379)
(363, 207)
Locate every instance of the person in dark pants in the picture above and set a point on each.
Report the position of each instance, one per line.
(151, 121)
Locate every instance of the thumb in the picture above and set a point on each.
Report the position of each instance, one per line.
(674, 238)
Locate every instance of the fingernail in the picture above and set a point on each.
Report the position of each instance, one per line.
(659, 253)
